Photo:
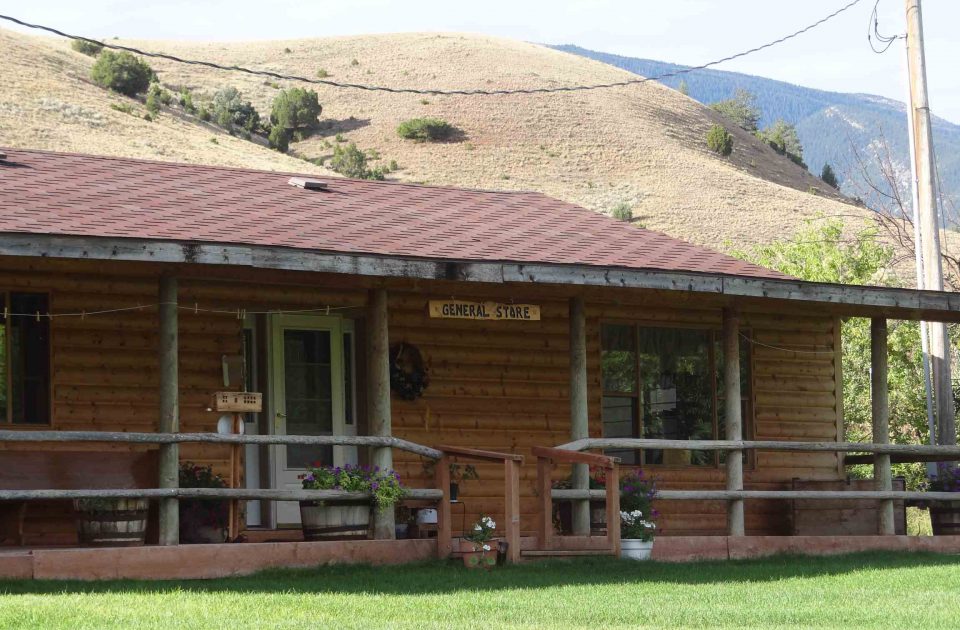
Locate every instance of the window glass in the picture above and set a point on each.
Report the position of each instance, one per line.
(348, 377)
(620, 421)
(27, 348)
(619, 358)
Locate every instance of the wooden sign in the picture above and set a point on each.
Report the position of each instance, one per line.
(457, 309)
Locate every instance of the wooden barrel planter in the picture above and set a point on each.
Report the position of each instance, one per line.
(945, 518)
(112, 522)
(336, 519)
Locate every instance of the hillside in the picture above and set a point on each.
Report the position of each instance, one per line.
(640, 145)
(827, 122)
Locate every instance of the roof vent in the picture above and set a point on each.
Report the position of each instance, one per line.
(3, 156)
(309, 184)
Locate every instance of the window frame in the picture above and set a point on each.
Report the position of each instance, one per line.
(6, 418)
(716, 336)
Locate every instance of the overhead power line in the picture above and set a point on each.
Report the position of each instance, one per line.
(393, 90)
(873, 33)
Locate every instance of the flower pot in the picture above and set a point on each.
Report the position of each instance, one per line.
(636, 549)
(203, 521)
(481, 559)
(945, 518)
(112, 522)
(335, 519)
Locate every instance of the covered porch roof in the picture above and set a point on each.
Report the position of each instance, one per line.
(101, 208)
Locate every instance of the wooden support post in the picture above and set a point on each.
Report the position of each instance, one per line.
(444, 526)
(579, 420)
(511, 508)
(378, 397)
(169, 456)
(613, 509)
(880, 411)
(732, 417)
(545, 490)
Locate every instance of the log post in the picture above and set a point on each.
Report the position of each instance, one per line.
(169, 455)
(545, 499)
(579, 421)
(732, 417)
(445, 527)
(511, 508)
(378, 397)
(613, 509)
(880, 412)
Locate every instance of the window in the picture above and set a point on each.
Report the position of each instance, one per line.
(24, 359)
(666, 383)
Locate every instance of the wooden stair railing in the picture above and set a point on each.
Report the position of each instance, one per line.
(547, 459)
(511, 497)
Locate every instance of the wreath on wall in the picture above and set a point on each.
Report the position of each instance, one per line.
(408, 374)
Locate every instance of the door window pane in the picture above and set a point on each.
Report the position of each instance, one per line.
(28, 370)
(308, 392)
(620, 421)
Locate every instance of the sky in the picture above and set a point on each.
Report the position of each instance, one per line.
(834, 56)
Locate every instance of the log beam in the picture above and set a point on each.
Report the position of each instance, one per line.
(880, 412)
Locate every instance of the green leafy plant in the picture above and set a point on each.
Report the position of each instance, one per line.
(622, 212)
(383, 485)
(741, 109)
(350, 161)
(719, 140)
(322, 74)
(829, 177)
(153, 100)
(481, 533)
(121, 72)
(426, 130)
(87, 47)
(633, 525)
(231, 110)
(294, 114)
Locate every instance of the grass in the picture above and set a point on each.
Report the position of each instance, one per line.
(861, 590)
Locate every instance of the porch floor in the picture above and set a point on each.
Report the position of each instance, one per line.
(213, 561)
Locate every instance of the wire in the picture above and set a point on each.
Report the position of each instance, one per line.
(237, 312)
(383, 88)
(765, 345)
(873, 33)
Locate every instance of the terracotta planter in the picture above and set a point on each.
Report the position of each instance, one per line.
(945, 518)
(335, 519)
(112, 522)
(203, 521)
(480, 559)
(636, 549)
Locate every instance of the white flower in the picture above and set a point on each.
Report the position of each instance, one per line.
(477, 528)
(486, 547)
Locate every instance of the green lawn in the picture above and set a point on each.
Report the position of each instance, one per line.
(863, 590)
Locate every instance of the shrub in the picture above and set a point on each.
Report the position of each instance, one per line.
(322, 74)
(622, 212)
(720, 140)
(204, 113)
(230, 110)
(829, 177)
(296, 109)
(279, 138)
(741, 109)
(186, 101)
(87, 47)
(121, 72)
(425, 129)
(153, 100)
(352, 162)
(782, 138)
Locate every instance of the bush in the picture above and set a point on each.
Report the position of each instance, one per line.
(741, 109)
(425, 129)
(230, 110)
(296, 109)
(87, 47)
(121, 72)
(154, 99)
(279, 138)
(352, 162)
(186, 101)
(782, 138)
(622, 212)
(720, 140)
(829, 177)
(322, 74)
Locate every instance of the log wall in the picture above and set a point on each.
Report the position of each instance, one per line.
(494, 385)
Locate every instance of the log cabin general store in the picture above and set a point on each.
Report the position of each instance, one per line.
(418, 328)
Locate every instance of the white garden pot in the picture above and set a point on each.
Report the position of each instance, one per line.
(636, 549)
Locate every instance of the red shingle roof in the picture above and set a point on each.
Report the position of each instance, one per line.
(80, 195)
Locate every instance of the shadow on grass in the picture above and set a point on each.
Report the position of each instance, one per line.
(437, 578)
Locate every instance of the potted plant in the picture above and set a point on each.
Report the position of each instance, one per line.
(478, 550)
(945, 515)
(346, 518)
(202, 521)
(112, 522)
(637, 514)
(458, 475)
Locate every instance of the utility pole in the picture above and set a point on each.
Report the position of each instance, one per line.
(925, 177)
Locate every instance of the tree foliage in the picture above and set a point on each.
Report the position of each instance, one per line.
(783, 138)
(826, 254)
(231, 110)
(350, 161)
(829, 177)
(720, 140)
(121, 72)
(88, 47)
(426, 130)
(296, 109)
(741, 109)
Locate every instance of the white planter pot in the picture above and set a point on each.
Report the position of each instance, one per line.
(636, 549)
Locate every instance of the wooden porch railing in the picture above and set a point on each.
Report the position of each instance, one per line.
(881, 466)
(547, 459)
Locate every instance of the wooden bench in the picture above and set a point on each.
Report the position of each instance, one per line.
(68, 470)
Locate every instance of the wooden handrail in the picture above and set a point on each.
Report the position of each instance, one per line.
(208, 493)
(566, 494)
(217, 438)
(480, 454)
(764, 445)
(574, 457)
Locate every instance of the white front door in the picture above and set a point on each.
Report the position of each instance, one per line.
(308, 390)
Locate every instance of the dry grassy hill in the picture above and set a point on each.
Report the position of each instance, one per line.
(642, 144)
